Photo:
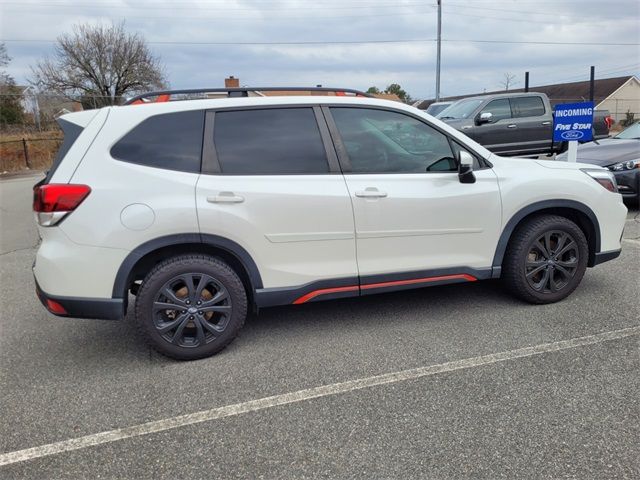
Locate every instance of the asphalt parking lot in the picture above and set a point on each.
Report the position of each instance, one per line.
(461, 394)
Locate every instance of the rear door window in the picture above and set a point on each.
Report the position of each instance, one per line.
(527, 107)
(277, 141)
(172, 141)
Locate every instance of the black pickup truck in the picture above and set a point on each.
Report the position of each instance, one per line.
(513, 123)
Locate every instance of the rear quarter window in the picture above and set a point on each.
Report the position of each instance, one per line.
(71, 133)
(172, 141)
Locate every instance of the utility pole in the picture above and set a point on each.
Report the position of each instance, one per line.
(439, 46)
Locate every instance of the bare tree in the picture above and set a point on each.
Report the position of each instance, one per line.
(10, 106)
(509, 80)
(101, 64)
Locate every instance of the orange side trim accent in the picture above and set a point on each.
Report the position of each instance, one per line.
(462, 276)
(324, 291)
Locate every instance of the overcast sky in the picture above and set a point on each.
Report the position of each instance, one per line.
(183, 34)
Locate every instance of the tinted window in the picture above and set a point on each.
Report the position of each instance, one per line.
(527, 107)
(71, 133)
(499, 109)
(269, 142)
(172, 141)
(383, 141)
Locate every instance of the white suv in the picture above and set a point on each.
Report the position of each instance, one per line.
(206, 208)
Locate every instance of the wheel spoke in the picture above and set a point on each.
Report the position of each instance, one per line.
(204, 279)
(216, 308)
(565, 249)
(562, 239)
(187, 278)
(170, 294)
(166, 306)
(552, 281)
(564, 272)
(541, 248)
(167, 327)
(179, 331)
(200, 331)
(543, 282)
(536, 270)
(214, 329)
(547, 243)
(217, 298)
(572, 264)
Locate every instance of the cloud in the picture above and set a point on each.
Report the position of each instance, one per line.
(466, 67)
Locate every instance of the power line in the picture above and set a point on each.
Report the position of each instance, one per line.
(191, 7)
(352, 42)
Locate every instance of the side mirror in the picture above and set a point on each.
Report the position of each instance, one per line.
(465, 168)
(485, 117)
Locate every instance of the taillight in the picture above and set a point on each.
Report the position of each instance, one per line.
(609, 121)
(54, 201)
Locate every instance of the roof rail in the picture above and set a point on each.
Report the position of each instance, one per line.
(164, 95)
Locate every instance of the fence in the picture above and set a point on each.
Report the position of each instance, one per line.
(28, 153)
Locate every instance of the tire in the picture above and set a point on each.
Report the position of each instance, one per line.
(531, 274)
(191, 330)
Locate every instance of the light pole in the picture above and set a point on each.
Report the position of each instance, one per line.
(438, 54)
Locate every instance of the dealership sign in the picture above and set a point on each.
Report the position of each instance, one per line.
(573, 121)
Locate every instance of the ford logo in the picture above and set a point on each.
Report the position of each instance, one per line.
(572, 135)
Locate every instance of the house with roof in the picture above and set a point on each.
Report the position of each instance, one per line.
(618, 95)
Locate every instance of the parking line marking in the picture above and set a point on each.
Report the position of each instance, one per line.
(303, 395)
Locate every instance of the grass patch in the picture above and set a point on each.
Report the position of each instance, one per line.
(41, 150)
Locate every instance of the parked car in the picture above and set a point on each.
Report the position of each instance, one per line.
(435, 108)
(207, 209)
(621, 155)
(511, 123)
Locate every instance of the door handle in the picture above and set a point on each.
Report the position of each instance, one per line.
(513, 125)
(371, 192)
(546, 123)
(225, 197)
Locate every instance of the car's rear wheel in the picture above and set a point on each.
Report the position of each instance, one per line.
(191, 306)
(545, 260)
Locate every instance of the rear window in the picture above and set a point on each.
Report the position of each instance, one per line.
(279, 141)
(172, 141)
(527, 107)
(71, 133)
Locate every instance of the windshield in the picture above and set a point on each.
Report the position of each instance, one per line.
(460, 109)
(435, 108)
(630, 132)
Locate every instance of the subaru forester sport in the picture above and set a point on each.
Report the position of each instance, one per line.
(206, 209)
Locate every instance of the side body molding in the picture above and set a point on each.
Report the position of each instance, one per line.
(122, 278)
(533, 208)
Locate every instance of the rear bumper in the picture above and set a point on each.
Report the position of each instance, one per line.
(602, 257)
(75, 307)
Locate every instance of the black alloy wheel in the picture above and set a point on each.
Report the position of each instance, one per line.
(552, 261)
(191, 306)
(191, 310)
(545, 259)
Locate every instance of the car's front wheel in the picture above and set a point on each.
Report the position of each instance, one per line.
(545, 260)
(191, 306)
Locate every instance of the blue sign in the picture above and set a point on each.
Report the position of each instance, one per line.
(573, 121)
